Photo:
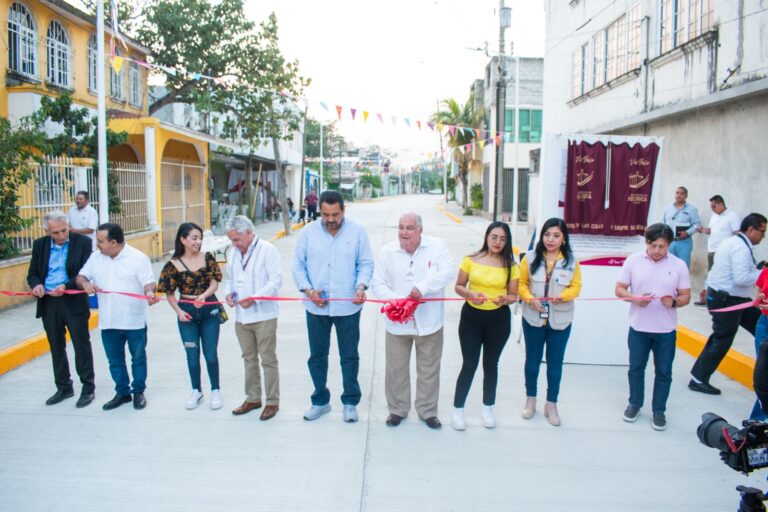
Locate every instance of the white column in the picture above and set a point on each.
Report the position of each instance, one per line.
(150, 162)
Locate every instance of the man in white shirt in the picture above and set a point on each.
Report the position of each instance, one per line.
(416, 267)
(83, 218)
(730, 282)
(254, 270)
(723, 224)
(122, 319)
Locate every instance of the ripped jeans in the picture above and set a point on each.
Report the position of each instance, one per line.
(202, 329)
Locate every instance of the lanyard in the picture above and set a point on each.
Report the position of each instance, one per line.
(751, 254)
(549, 275)
(250, 253)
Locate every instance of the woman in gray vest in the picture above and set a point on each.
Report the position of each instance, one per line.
(550, 271)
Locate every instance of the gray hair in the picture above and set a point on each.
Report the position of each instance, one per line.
(239, 223)
(54, 215)
(416, 216)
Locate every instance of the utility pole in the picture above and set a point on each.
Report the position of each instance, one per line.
(101, 114)
(320, 182)
(445, 171)
(505, 16)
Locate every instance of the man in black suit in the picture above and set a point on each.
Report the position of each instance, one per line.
(56, 260)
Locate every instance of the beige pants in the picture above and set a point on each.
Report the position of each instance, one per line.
(397, 382)
(260, 339)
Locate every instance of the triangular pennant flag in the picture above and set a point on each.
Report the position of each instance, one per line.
(430, 155)
(484, 134)
(467, 148)
(170, 71)
(439, 128)
(117, 63)
(482, 144)
(339, 108)
(407, 122)
(353, 111)
(452, 130)
(498, 140)
(431, 126)
(324, 106)
(381, 118)
(418, 124)
(196, 76)
(477, 132)
(365, 115)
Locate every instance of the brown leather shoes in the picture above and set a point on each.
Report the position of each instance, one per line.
(269, 412)
(433, 422)
(394, 420)
(246, 407)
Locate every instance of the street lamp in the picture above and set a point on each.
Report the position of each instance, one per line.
(505, 19)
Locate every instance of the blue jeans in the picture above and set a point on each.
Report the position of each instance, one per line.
(114, 341)
(682, 249)
(348, 336)
(641, 344)
(204, 327)
(761, 335)
(536, 338)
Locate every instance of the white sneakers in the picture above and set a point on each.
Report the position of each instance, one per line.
(194, 400)
(316, 411)
(458, 419)
(350, 413)
(530, 408)
(216, 401)
(489, 420)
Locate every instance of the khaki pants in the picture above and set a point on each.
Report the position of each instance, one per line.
(260, 339)
(397, 382)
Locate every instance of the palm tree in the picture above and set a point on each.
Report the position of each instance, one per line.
(468, 116)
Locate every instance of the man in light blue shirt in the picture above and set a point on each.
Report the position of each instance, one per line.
(684, 220)
(333, 260)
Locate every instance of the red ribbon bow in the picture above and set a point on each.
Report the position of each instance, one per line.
(400, 310)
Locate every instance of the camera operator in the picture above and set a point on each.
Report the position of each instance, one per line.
(729, 283)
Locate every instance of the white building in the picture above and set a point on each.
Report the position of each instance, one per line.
(691, 71)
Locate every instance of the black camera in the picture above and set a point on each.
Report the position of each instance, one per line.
(744, 449)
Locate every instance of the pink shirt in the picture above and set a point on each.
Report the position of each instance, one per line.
(659, 278)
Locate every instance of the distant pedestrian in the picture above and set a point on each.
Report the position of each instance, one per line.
(723, 224)
(196, 276)
(303, 213)
(550, 270)
(333, 259)
(311, 201)
(413, 266)
(683, 218)
(730, 282)
(83, 218)
(56, 261)
(663, 278)
(488, 278)
(122, 319)
(254, 270)
(291, 209)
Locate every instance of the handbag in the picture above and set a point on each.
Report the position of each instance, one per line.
(223, 316)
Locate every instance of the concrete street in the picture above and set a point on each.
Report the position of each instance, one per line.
(166, 458)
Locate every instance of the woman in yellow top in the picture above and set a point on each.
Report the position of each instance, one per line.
(551, 271)
(488, 279)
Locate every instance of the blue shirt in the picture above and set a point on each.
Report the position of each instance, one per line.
(57, 266)
(687, 216)
(334, 265)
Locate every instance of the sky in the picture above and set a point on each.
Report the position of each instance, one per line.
(397, 58)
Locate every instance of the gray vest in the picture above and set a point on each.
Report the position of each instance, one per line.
(560, 315)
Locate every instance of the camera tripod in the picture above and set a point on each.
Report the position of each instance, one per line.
(751, 499)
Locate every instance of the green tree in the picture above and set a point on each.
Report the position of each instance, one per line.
(467, 116)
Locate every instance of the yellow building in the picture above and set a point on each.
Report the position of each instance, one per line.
(51, 50)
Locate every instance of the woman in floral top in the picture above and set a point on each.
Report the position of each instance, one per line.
(196, 276)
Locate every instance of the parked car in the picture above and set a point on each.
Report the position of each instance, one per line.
(435, 191)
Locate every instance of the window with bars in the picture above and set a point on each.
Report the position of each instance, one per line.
(22, 41)
(92, 85)
(136, 85)
(116, 90)
(598, 59)
(579, 71)
(59, 57)
(682, 21)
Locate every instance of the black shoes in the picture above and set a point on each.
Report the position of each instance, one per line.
(58, 396)
(84, 400)
(433, 423)
(116, 402)
(394, 420)
(703, 387)
(139, 401)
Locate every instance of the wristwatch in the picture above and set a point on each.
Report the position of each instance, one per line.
(674, 303)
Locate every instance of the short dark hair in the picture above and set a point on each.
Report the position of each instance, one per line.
(717, 198)
(683, 189)
(332, 197)
(753, 220)
(114, 231)
(83, 193)
(658, 230)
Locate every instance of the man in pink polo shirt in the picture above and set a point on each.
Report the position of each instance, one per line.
(663, 279)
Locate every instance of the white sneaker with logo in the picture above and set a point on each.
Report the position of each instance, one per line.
(194, 400)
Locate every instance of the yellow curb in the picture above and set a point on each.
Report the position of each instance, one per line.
(453, 217)
(735, 364)
(280, 234)
(35, 346)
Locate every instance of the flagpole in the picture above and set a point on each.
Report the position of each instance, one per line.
(101, 114)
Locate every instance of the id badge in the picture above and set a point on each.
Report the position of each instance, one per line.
(545, 310)
(410, 276)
